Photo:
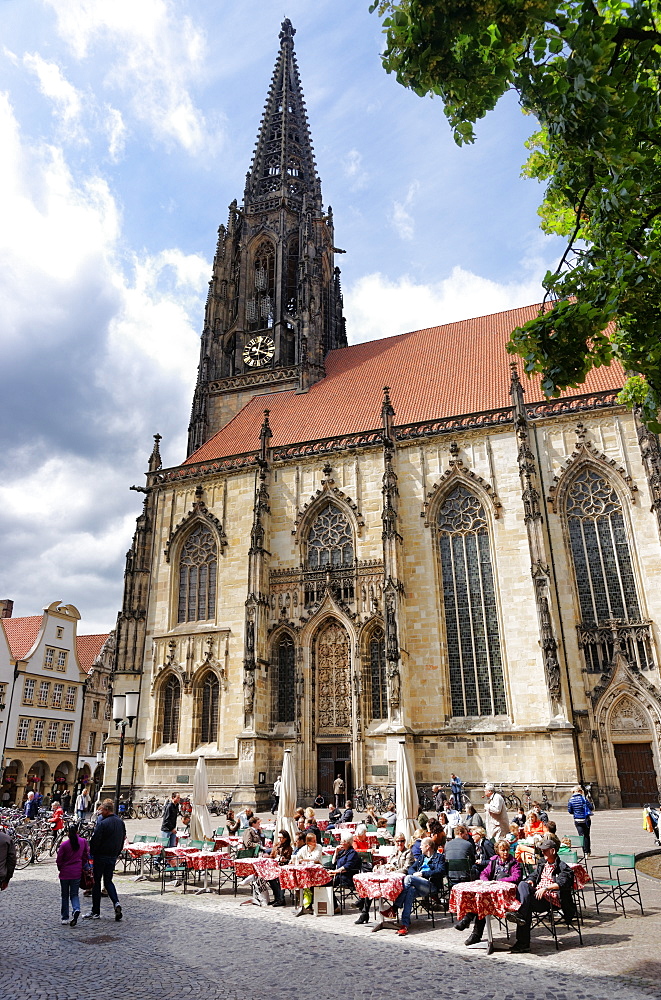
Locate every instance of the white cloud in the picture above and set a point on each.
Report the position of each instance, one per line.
(116, 132)
(377, 307)
(159, 54)
(354, 170)
(402, 219)
(98, 354)
(54, 85)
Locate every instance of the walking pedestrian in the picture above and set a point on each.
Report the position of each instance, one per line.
(169, 819)
(457, 790)
(338, 790)
(7, 859)
(31, 807)
(66, 800)
(277, 785)
(580, 809)
(497, 819)
(72, 856)
(106, 845)
(82, 805)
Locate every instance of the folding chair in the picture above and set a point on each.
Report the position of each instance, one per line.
(621, 883)
(552, 918)
(174, 869)
(578, 844)
(458, 867)
(220, 830)
(371, 828)
(243, 852)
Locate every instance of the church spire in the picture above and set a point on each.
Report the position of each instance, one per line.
(283, 163)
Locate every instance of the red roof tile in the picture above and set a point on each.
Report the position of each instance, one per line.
(449, 370)
(88, 648)
(21, 634)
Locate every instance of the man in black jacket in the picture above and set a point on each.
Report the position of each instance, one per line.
(484, 849)
(106, 845)
(169, 819)
(461, 848)
(550, 885)
(7, 859)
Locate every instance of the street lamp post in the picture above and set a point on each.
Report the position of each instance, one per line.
(124, 711)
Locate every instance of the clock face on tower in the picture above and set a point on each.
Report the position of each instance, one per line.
(258, 351)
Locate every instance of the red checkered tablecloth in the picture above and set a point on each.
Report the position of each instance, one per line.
(374, 886)
(244, 866)
(208, 860)
(581, 876)
(487, 899)
(139, 850)
(303, 876)
(267, 868)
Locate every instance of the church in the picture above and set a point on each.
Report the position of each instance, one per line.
(396, 540)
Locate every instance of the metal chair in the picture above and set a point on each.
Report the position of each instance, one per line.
(621, 883)
(174, 869)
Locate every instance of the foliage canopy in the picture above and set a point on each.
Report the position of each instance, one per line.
(589, 72)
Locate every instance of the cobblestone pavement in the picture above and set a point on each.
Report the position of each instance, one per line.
(212, 947)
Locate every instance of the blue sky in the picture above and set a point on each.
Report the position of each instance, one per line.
(126, 129)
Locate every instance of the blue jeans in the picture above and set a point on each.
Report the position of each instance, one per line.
(103, 871)
(172, 834)
(81, 815)
(414, 885)
(69, 888)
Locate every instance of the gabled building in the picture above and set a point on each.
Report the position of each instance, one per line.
(95, 655)
(394, 540)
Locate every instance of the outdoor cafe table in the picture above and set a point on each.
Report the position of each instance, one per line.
(379, 885)
(207, 861)
(487, 899)
(303, 876)
(142, 852)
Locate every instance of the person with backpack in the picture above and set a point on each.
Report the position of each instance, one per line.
(581, 810)
(72, 857)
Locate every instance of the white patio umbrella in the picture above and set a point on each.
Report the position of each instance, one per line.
(407, 796)
(201, 826)
(284, 819)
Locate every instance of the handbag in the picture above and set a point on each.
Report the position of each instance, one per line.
(87, 877)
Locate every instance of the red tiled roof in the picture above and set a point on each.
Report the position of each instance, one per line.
(88, 648)
(21, 634)
(449, 370)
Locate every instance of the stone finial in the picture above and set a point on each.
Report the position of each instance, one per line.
(155, 462)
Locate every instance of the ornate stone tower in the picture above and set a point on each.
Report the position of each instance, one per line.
(274, 306)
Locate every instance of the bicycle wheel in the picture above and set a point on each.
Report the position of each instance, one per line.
(514, 802)
(56, 843)
(42, 848)
(24, 852)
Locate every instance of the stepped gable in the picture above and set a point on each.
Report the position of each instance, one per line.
(449, 370)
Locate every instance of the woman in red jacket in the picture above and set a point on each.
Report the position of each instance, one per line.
(72, 856)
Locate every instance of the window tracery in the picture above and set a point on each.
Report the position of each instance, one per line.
(209, 715)
(471, 621)
(260, 305)
(197, 576)
(171, 707)
(333, 681)
(284, 681)
(330, 539)
(377, 675)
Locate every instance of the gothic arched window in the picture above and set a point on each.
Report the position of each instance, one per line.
(377, 675)
(171, 705)
(197, 576)
(330, 540)
(602, 561)
(261, 303)
(471, 620)
(285, 680)
(209, 714)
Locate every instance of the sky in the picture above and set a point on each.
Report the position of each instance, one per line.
(126, 129)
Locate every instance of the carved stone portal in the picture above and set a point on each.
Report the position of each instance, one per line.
(333, 680)
(627, 717)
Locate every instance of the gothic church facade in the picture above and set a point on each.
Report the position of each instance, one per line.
(392, 540)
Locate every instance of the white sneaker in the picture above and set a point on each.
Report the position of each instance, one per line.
(91, 916)
(63, 921)
(298, 911)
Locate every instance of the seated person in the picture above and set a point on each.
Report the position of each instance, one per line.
(550, 828)
(360, 841)
(320, 801)
(299, 841)
(301, 823)
(473, 817)
(416, 845)
(383, 832)
(443, 820)
(299, 814)
(461, 848)
(422, 820)
(502, 868)
(347, 815)
(371, 819)
(437, 834)
(253, 836)
(390, 815)
(346, 864)
(533, 824)
(453, 817)
(515, 834)
(334, 816)
(282, 853)
(541, 811)
(402, 859)
(232, 824)
(549, 885)
(422, 881)
(520, 817)
(310, 854)
(483, 849)
(244, 818)
(313, 828)
(525, 850)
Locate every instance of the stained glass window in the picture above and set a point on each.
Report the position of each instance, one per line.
(602, 561)
(330, 541)
(477, 686)
(285, 681)
(171, 703)
(210, 695)
(197, 576)
(378, 681)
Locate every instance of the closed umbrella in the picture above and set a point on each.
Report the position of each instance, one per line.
(201, 827)
(284, 819)
(407, 796)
